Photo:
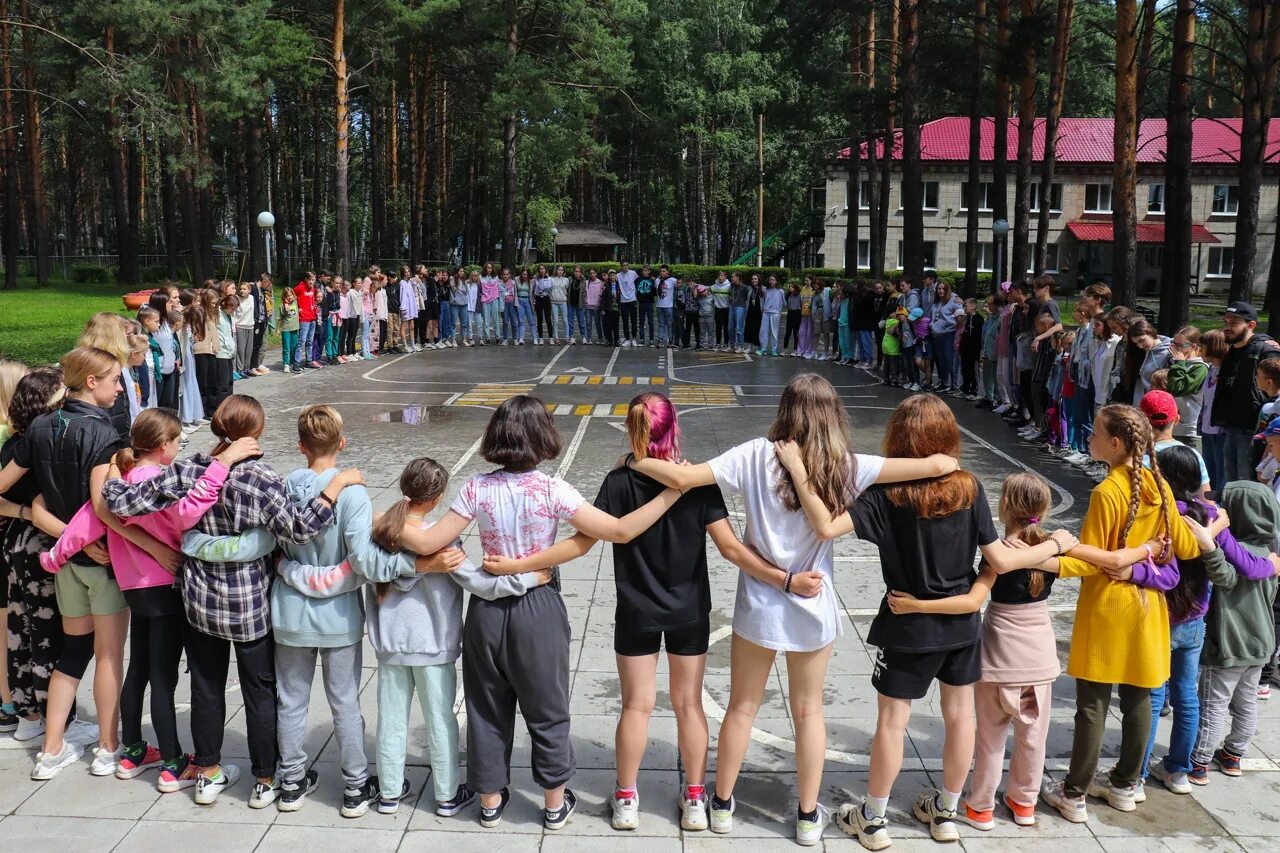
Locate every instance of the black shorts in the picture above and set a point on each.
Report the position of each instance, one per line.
(907, 675)
(690, 640)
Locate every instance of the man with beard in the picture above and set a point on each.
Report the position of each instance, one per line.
(1237, 401)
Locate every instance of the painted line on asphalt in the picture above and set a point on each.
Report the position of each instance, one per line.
(574, 444)
(608, 369)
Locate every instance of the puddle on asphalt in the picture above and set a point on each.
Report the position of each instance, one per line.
(413, 415)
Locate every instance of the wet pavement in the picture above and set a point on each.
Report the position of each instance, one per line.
(436, 404)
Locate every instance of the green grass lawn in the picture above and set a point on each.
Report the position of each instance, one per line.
(39, 325)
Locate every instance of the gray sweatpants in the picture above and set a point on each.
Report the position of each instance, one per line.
(340, 670)
(1226, 690)
(516, 650)
(244, 350)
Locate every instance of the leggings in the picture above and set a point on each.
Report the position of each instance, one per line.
(347, 339)
(168, 391)
(207, 380)
(155, 648)
(542, 309)
(34, 627)
(225, 381)
(691, 327)
(1092, 703)
(722, 327)
(629, 319)
(209, 658)
(792, 336)
(288, 341)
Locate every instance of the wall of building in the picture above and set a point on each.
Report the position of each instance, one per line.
(945, 225)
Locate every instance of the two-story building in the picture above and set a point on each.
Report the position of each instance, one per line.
(1080, 205)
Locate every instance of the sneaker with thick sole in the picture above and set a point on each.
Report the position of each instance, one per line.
(293, 792)
(50, 764)
(462, 798)
(693, 813)
(177, 776)
(8, 722)
(1228, 764)
(492, 816)
(809, 832)
(983, 820)
(871, 832)
(555, 819)
(626, 812)
(1264, 691)
(105, 761)
(28, 729)
(356, 801)
(1119, 797)
(941, 822)
(391, 805)
(138, 760)
(1199, 774)
(1022, 815)
(1140, 791)
(209, 787)
(722, 818)
(1073, 809)
(1174, 782)
(264, 793)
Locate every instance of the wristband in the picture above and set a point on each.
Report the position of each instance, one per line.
(324, 497)
(1059, 547)
(786, 584)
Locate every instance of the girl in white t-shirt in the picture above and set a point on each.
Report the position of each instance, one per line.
(767, 620)
(517, 650)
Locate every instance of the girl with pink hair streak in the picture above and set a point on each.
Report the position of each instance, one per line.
(664, 596)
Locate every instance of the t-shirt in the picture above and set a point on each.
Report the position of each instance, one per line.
(627, 285)
(930, 558)
(661, 575)
(306, 302)
(764, 614)
(1165, 443)
(1015, 587)
(518, 514)
(666, 292)
(645, 290)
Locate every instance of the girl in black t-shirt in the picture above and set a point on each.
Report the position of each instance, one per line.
(663, 595)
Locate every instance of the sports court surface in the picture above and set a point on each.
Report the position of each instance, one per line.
(436, 404)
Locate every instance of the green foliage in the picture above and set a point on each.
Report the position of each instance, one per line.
(92, 274)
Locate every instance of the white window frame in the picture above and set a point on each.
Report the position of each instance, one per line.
(864, 264)
(930, 255)
(1055, 197)
(986, 256)
(1221, 252)
(984, 196)
(1051, 258)
(924, 205)
(1155, 199)
(1098, 190)
(864, 195)
(1230, 197)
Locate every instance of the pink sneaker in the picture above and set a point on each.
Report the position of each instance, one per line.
(134, 763)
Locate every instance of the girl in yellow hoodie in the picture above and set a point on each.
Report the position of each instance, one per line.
(1121, 631)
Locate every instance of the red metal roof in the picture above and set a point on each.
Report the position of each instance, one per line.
(1081, 140)
(1092, 231)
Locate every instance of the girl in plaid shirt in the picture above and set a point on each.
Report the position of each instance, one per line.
(229, 603)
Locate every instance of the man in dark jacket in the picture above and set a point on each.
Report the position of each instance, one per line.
(1237, 400)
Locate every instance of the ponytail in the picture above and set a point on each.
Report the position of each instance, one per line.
(151, 430)
(422, 481)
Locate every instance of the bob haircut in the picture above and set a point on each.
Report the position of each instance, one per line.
(521, 435)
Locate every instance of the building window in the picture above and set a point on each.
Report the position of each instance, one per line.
(864, 254)
(985, 256)
(1050, 258)
(930, 255)
(1155, 198)
(930, 195)
(984, 196)
(1097, 198)
(864, 195)
(1226, 199)
(1221, 260)
(1153, 257)
(1055, 198)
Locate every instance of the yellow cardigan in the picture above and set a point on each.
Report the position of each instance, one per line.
(1121, 631)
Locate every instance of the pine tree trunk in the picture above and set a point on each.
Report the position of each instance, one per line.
(1273, 277)
(37, 207)
(1261, 44)
(9, 156)
(509, 177)
(342, 127)
(169, 212)
(869, 74)
(973, 176)
(1000, 142)
(912, 172)
(1026, 130)
(1148, 24)
(855, 153)
(1124, 214)
(1057, 85)
(1175, 271)
(890, 135)
(130, 270)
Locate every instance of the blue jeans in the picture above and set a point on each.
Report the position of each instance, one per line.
(306, 331)
(944, 355)
(579, 316)
(664, 325)
(366, 346)
(461, 321)
(645, 318)
(737, 324)
(510, 320)
(526, 316)
(1213, 445)
(592, 320)
(1082, 405)
(1237, 454)
(1185, 642)
(866, 345)
(560, 311)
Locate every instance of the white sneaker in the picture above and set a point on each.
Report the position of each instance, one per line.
(264, 793)
(537, 342)
(1175, 783)
(49, 765)
(28, 729)
(1074, 809)
(104, 761)
(809, 832)
(913, 387)
(872, 833)
(626, 812)
(1001, 409)
(941, 822)
(722, 819)
(1120, 798)
(693, 813)
(207, 790)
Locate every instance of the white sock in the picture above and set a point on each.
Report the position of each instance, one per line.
(875, 806)
(948, 800)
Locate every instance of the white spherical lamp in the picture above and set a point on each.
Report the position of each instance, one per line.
(266, 219)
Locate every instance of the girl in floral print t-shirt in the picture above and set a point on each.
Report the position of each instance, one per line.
(516, 650)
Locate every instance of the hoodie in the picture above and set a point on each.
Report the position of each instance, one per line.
(1239, 627)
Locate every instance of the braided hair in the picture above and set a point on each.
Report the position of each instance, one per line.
(1132, 429)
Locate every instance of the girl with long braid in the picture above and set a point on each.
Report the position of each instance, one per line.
(1121, 631)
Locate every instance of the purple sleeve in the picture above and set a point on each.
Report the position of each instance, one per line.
(1162, 578)
(1248, 564)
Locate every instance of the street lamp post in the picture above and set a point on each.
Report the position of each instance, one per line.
(555, 232)
(266, 219)
(62, 253)
(1000, 231)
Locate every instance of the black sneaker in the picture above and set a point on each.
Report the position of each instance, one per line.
(491, 817)
(391, 806)
(463, 798)
(294, 793)
(557, 818)
(8, 722)
(356, 801)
